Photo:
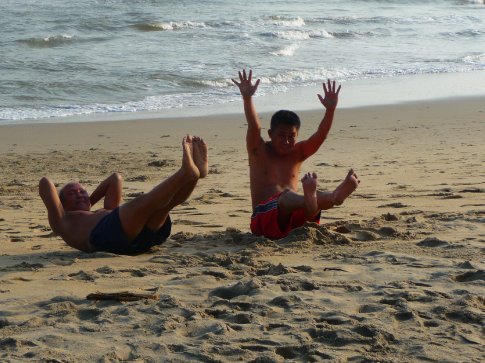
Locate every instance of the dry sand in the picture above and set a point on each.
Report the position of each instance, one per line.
(396, 274)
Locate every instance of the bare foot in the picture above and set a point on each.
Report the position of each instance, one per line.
(346, 188)
(188, 166)
(309, 183)
(200, 155)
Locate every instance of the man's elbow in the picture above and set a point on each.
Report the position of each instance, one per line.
(43, 185)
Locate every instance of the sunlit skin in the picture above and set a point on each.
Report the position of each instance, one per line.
(75, 197)
(275, 165)
(70, 215)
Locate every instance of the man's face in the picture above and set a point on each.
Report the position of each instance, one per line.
(75, 197)
(283, 138)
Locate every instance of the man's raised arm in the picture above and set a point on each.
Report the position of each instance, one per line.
(55, 210)
(313, 143)
(110, 189)
(247, 89)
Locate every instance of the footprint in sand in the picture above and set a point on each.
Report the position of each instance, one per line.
(389, 217)
(286, 301)
(203, 329)
(162, 163)
(275, 270)
(241, 288)
(83, 276)
(371, 308)
(470, 276)
(217, 274)
(295, 283)
(404, 315)
(432, 242)
(23, 266)
(334, 318)
(393, 205)
(365, 236)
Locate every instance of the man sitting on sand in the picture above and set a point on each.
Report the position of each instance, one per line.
(128, 228)
(274, 166)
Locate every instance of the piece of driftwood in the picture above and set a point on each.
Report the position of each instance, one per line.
(121, 296)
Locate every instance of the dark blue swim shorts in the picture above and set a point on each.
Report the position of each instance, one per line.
(108, 236)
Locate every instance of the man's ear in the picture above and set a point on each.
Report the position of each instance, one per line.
(269, 133)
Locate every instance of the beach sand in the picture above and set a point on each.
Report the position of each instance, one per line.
(395, 274)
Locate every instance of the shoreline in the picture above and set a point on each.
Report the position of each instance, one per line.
(44, 136)
(355, 93)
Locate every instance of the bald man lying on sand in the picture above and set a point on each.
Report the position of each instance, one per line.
(129, 228)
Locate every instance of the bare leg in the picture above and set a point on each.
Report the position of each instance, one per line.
(135, 214)
(313, 200)
(200, 159)
(350, 183)
(287, 203)
(158, 218)
(290, 201)
(309, 184)
(327, 200)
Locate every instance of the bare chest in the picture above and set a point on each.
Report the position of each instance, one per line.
(281, 172)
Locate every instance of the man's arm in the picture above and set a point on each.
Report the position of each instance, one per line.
(55, 210)
(312, 144)
(247, 89)
(110, 189)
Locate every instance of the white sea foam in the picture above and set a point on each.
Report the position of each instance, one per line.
(172, 25)
(280, 21)
(287, 51)
(301, 35)
(49, 41)
(477, 59)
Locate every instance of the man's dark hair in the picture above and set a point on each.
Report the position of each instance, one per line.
(285, 117)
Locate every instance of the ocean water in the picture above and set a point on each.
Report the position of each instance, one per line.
(89, 57)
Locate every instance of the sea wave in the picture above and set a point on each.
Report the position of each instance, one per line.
(298, 34)
(218, 83)
(287, 51)
(171, 25)
(150, 103)
(217, 91)
(287, 22)
(468, 33)
(359, 34)
(416, 19)
(309, 76)
(475, 59)
(48, 42)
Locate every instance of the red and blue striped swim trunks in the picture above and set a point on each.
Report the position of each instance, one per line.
(264, 220)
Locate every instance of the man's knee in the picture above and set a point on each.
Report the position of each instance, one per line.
(116, 177)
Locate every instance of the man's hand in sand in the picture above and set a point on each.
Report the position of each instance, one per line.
(331, 95)
(246, 87)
